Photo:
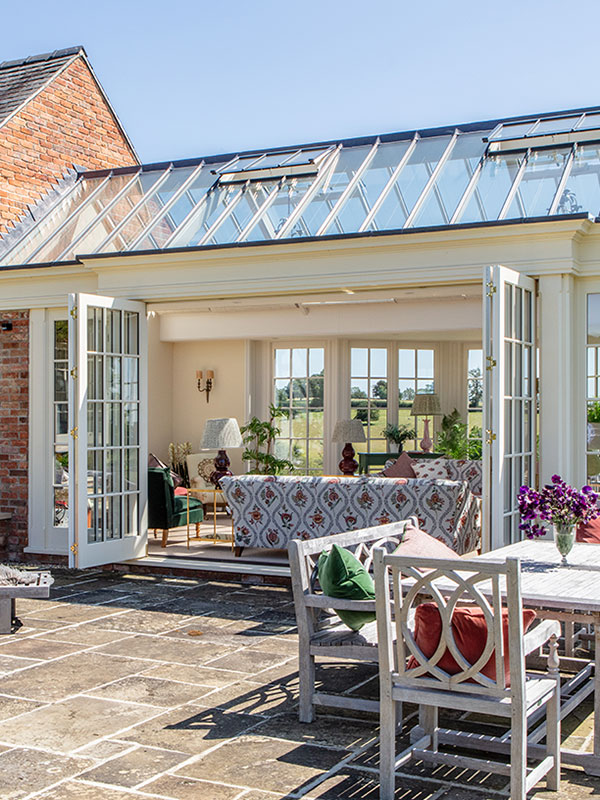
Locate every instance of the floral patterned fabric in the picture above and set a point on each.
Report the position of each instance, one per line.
(469, 471)
(269, 510)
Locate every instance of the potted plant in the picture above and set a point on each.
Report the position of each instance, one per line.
(593, 428)
(564, 507)
(398, 434)
(452, 439)
(259, 437)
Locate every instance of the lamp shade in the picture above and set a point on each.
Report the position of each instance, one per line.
(426, 405)
(348, 430)
(219, 434)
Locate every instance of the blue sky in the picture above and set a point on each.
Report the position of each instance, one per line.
(194, 78)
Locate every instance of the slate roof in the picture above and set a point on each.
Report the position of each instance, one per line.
(22, 78)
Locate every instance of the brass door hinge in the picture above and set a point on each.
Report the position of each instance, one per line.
(73, 373)
(491, 362)
(74, 432)
(73, 548)
(491, 288)
(491, 436)
(73, 312)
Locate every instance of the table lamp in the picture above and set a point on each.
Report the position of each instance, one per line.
(426, 405)
(348, 431)
(219, 434)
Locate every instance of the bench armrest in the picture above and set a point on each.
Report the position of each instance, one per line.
(337, 603)
(538, 636)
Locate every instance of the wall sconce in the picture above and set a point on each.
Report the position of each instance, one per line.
(208, 383)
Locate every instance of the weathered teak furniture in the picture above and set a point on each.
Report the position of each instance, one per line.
(323, 634)
(480, 585)
(9, 593)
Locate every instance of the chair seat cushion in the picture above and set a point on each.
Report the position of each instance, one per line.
(419, 544)
(469, 629)
(342, 575)
(589, 532)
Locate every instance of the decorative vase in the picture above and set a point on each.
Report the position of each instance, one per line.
(564, 539)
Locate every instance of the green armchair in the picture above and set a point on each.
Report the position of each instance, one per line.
(165, 508)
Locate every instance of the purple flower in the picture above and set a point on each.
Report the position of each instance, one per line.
(557, 503)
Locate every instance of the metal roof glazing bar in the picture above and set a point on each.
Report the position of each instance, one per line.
(320, 177)
(180, 229)
(143, 199)
(432, 179)
(267, 203)
(468, 192)
(65, 222)
(389, 185)
(100, 216)
(167, 207)
(515, 185)
(562, 182)
(349, 189)
(227, 211)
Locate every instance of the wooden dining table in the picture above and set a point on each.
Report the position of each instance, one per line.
(570, 594)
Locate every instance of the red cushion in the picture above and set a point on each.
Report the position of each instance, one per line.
(181, 491)
(589, 532)
(418, 544)
(401, 468)
(470, 634)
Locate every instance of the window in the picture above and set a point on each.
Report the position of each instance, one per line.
(593, 389)
(475, 402)
(415, 375)
(60, 425)
(369, 395)
(299, 390)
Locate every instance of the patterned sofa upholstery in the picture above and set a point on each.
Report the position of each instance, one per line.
(269, 511)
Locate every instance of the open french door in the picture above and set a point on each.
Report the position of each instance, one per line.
(510, 407)
(108, 430)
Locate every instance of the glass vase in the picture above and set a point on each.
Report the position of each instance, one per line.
(564, 539)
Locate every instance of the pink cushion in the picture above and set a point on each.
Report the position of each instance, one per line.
(181, 491)
(589, 532)
(401, 468)
(418, 544)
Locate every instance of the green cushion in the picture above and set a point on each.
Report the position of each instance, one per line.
(342, 575)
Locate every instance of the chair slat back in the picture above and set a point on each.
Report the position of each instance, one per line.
(448, 584)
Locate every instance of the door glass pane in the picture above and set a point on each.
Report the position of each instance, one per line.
(59, 454)
(593, 391)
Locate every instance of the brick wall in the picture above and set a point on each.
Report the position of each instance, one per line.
(14, 421)
(68, 123)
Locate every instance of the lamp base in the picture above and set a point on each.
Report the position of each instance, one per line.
(222, 464)
(348, 465)
(426, 441)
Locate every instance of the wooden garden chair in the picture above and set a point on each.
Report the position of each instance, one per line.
(489, 587)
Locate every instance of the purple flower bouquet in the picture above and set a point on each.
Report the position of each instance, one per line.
(562, 506)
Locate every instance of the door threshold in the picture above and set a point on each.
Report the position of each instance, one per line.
(237, 567)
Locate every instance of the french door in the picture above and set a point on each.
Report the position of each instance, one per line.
(510, 408)
(108, 430)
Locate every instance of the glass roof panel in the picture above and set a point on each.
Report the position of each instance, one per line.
(589, 121)
(452, 182)
(556, 125)
(513, 131)
(538, 184)
(409, 184)
(348, 162)
(492, 188)
(276, 215)
(247, 206)
(105, 225)
(369, 187)
(582, 189)
(48, 225)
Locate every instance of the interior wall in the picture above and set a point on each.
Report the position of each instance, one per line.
(228, 398)
(160, 390)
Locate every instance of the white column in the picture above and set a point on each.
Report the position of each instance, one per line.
(337, 399)
(560, 437)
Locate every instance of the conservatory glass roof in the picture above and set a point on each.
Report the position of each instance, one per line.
(541, 166)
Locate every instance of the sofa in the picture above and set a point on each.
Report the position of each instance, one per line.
(269, 511)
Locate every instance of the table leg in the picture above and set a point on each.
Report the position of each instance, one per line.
(214, 517)
(187, 501)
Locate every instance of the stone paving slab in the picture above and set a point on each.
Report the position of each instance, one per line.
(121, 698)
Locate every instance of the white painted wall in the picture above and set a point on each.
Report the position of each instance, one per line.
(160, 390)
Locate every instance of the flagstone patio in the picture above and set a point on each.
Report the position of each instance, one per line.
(135, 686)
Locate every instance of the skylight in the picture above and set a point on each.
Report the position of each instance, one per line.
(537, 132)
(304, 161)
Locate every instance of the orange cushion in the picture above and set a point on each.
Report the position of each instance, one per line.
(401, 468)
(589, 532)
(418, 544)
(181, 491)
(470, 634)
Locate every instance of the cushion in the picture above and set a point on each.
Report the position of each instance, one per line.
(181, 491)
(154, 462)
(589, 532)
(418, 544)
(470, 634)
(342, 575)
(401, 468)
(432, 468)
